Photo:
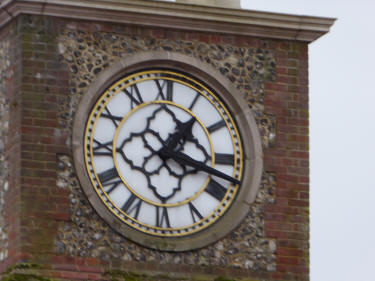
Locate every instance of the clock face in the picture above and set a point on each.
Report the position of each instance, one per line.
(163, 153)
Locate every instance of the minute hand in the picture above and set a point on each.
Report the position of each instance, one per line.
(184, 159)
(183, 130)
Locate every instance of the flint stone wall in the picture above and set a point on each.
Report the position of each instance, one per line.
(6, 74)
(87, 54)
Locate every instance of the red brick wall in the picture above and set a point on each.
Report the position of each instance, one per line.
(45, 80)
(36, 206)
(288, 218)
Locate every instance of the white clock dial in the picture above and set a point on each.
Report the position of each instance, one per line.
(163, 153)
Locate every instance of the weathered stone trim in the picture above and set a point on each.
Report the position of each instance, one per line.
(217, 3)
(175, 16)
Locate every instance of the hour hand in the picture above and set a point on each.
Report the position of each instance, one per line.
(186, 160)
(183, 131)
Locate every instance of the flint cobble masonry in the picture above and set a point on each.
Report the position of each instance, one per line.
(5, 74)
(88, 236)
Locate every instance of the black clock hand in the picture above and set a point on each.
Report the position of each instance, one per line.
(183, 130)
(184, 159)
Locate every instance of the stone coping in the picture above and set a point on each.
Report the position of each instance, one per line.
(217, 3)
(173, 15)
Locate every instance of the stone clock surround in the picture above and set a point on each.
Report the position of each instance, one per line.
(42, 93)
(253, 163)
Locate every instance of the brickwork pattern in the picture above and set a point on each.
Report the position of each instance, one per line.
(288, 218)
(37, 204)
(38, 140)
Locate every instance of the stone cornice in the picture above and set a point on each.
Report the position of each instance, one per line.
(175, 16)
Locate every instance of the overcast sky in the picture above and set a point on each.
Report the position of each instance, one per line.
(342, 106)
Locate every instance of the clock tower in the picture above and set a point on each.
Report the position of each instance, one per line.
(160, 140)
